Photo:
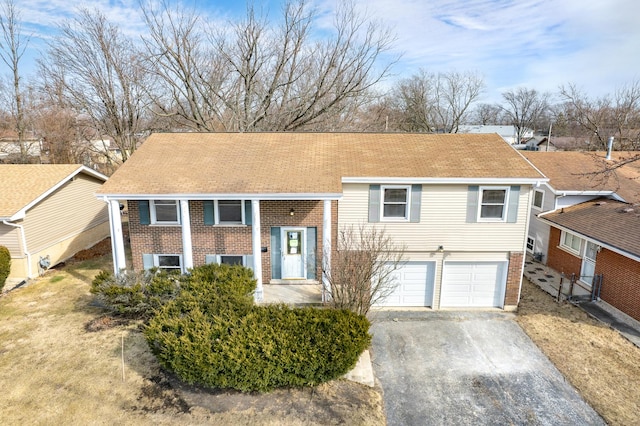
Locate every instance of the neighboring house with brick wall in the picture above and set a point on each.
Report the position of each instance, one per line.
(576, 177)
(599, 237)
(586, 221)
(276, 201)
(49, 211)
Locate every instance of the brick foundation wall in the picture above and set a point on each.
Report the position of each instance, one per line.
(207, 239)
(514, 277)
(621, 285)
(562, 260)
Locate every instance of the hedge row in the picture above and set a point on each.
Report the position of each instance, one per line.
(5, 265)
(212, 334)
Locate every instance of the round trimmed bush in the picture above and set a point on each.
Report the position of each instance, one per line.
(5, 265)
(213, 335)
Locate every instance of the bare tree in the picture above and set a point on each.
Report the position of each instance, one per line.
(437, 102)
(525, 107)
(489, 114)
(12, 48)
(598, 119)
(100, 75)
(256, 77)
(363, 268)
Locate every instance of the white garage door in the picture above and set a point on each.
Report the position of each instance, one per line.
(414, 285)
(473, 284)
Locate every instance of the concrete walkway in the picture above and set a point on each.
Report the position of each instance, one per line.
(550, 281)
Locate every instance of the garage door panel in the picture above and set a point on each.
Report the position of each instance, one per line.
(473, 284)
(415, 281)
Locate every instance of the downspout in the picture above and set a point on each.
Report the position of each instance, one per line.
(24, 244)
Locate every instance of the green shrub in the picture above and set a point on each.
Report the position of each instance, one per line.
(135, 294)
(211, 334)
(5, 265)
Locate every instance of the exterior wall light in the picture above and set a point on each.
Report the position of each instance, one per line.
(440, 249)
(292, 212)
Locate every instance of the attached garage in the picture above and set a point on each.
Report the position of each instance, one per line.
(415, 281)
(473, 284)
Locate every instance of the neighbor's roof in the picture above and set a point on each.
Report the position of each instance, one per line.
(589, 171)
(610, 222)
(23, 185)
(306, 163)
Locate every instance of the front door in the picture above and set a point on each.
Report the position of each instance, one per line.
(589, 263)
(293, 253)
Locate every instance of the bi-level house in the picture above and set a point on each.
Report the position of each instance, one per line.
(275, 202)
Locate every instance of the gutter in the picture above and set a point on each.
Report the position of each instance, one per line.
(24, 244)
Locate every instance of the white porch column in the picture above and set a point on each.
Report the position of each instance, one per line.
(326, 248)
(117, 241)
(256, 248)
(187, 247)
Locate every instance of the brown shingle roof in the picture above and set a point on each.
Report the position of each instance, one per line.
(265, 163)
(583, 171)
(21, 184)
(610, 222)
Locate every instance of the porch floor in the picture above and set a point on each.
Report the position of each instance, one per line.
(549, 280)
(292, 294)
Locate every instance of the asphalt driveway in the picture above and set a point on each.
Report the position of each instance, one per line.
(439, 368)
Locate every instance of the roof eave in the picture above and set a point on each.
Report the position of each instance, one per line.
(21, 214)
(601, 243)
(223, 196)
(447, 180)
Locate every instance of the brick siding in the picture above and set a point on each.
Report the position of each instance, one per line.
(228, 239)
(559, 259)
(621, 285)
(514, 278)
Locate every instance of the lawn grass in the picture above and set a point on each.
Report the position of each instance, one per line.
(601, 364)
(63, 361)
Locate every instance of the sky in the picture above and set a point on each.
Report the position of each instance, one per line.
(537, 44)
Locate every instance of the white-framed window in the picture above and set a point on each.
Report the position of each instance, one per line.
(531, 244)
(169, 262)
(538, 199)
(493, 204)
(230, 212)
(395, 202)
(570, 242)
(230, 259)
(165, 212)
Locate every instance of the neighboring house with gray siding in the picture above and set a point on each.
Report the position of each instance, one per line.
(576, 177)
(49, 211)
(275, 202)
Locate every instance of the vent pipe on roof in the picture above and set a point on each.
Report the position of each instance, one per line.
(609, 148)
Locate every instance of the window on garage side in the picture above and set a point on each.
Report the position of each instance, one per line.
(538, 199)
(493, 204)
(165, 212)
(571, 242)
(395, 202)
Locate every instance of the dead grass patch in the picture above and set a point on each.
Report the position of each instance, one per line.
(601, 364)
(62, 364)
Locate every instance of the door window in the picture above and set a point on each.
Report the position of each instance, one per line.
(294, 242)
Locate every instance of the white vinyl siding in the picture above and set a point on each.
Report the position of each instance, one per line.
(10, 238)
(442, 221)
(70, 210)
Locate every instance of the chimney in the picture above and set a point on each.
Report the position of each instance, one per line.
(609, 148)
